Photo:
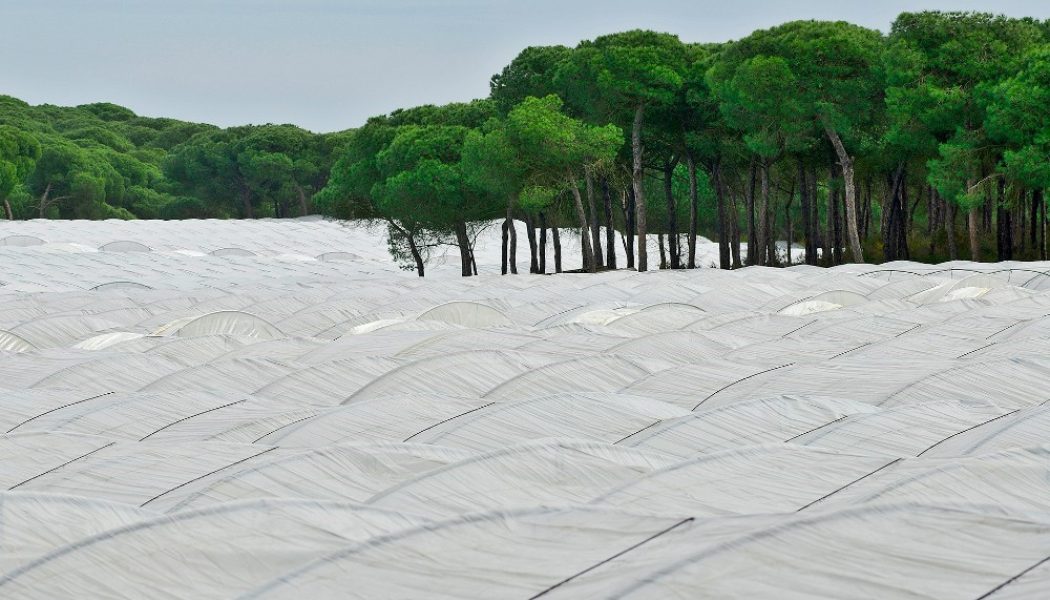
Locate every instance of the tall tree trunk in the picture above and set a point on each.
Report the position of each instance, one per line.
(557, 249)
(581, 216)
(530, 235)
(771, 227)
(512, 242)
(595, 225)
(931, 218)
(827, 236)
(43, 200)
(7, 210)
(894, 232)
(416, 256)
(975, 247)
(846, 162)
(610, 231)
(949, 230)
(803, 209)
(752, 235)
(866, 221)
(672, 214)
(663, 252)
(725, 225)
(304, 208)
(814, 215)
(636, 181)
(542, 267)
(412, 247)
(762, 229)
(1039, 196)
(246, 200)
(629, 214)
(505, 240)
(463, 241)
(1008, 216)
(834, 218)
(734, 222)
(1033, 231)
(806, 201)
(787, 219)
(694, 210)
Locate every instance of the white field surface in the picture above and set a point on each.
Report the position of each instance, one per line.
(294, 417)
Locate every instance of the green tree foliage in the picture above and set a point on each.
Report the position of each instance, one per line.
(19, 152)
(104, 161)
(824, 134)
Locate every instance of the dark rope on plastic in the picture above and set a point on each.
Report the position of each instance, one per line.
(939, 442)
(631, 435)
(611, 558)
(52, 470)
(862, 477)
(222, 468)
(443, 421)
(729, 385)
(795, 437)
(1012, 579)
(173, 423)
(47, 412)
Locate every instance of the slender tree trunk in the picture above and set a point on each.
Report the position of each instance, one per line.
(762, 229)
(512, 242)
(866, 221)
(834, 219)
(505, 240)
(304, 207)
(1039, 197)
(595, 226)
(663, 252)
(1033, 228)
(752, 235)
(726, 226)
(246, 200)
(949, 231)
(416, 256)
(806, 207)
(1008, 226)
(7, 210)
(814, 215)
(530, 236)
(771, 227)
(894, 240)
(610, 230)
(629, 215)
(694, 210)
(931, 218)
(557, 249)
(412, 246)
(734, 222)
(542, 267)
(975, 247)
(463, 241)
(636, 180)
(672, 214)
(846, 162)
(787, 218)
(581, 216)
(43, 200)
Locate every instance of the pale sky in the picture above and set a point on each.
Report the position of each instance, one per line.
(329, 64)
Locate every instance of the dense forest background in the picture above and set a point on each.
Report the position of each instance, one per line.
(931, 142)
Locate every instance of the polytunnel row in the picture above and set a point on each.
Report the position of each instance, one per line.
(260, 427)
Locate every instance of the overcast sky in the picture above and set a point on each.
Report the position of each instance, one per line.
(329, 64)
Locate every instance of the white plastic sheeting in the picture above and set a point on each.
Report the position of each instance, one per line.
(271, 409)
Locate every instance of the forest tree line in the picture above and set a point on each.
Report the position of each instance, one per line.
(931, 142)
